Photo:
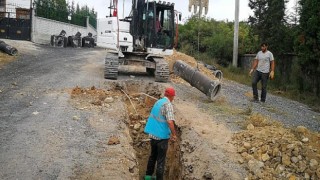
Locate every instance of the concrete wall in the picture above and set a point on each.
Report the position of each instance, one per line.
(245, 61)
(43, 28)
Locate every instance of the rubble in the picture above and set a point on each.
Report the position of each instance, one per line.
(273, 152)
(113, 140)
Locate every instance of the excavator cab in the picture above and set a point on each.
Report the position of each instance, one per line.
(160, 20)
(153, 23)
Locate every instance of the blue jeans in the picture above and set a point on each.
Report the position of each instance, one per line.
(158, 154)
(257, 76)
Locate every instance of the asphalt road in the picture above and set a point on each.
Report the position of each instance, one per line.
(38, 138)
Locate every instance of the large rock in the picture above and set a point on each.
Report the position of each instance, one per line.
(108, 100)
(250, 127)
(294, 159)
(286, 160)
(318, 172)
(313, 164)
(137, 126)
(247, 145)
(280, 168)
(276, 152)
(265, 157)
(113, 140)
(302, 166)
(305, 140)
(255, 166)
(302, 129)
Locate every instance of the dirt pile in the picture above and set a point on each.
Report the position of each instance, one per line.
(189, 60)
(270, 151)
(90, 97)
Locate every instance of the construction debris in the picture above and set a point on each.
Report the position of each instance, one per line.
(8, 49)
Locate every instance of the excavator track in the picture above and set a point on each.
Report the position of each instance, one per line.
(111, 66)
(161, 73)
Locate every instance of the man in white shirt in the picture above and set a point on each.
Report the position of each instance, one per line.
(262, 68)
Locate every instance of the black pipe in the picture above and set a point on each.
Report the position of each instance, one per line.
(198, 80)
(8, 49)
(218, 74)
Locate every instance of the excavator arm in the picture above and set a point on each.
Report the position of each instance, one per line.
(198, 6)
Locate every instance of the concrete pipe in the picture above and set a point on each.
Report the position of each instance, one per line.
(218, 74)
(59, 40)
(8, 49)
(198, 80)
(75, 41)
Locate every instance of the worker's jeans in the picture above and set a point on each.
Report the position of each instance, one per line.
(158, 154)
(257, 76)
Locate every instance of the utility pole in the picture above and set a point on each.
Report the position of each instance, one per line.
(123, 10)
(236, 35)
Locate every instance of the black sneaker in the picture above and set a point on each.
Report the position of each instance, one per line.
(254, 100)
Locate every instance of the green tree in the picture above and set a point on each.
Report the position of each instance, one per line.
(268, 23)
(215, 39)
(309, 45)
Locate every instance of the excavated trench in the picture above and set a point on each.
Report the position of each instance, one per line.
(139, 99)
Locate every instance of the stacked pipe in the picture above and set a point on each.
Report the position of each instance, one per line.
(88, 41)
(217, 73)
(75, 41)
(198, 80)
(59, 40)
(8, 49)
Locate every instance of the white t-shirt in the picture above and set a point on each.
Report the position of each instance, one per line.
(264, 60)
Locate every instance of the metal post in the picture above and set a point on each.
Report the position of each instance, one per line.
(200, 11)
(236, 35)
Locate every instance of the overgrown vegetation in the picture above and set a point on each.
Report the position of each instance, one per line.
(294, 39)
(60, 10)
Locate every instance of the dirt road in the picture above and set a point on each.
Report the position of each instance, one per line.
(60, 119)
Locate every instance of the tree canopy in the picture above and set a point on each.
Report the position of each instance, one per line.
(60, 10)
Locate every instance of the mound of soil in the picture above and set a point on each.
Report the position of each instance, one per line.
(190, 61)
(271, 151)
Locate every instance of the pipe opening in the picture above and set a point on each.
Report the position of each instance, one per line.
(216, 90)
(218, 74)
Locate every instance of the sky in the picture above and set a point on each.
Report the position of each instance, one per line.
(218, 9)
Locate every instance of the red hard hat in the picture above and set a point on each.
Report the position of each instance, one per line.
(170, 92)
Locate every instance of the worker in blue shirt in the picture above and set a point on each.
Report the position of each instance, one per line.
(160, 127)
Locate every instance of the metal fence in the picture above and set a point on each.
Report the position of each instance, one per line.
(15, 25)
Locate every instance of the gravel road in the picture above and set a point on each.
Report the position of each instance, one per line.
(42, 135)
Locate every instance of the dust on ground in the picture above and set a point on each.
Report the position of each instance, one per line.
(5, 59)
